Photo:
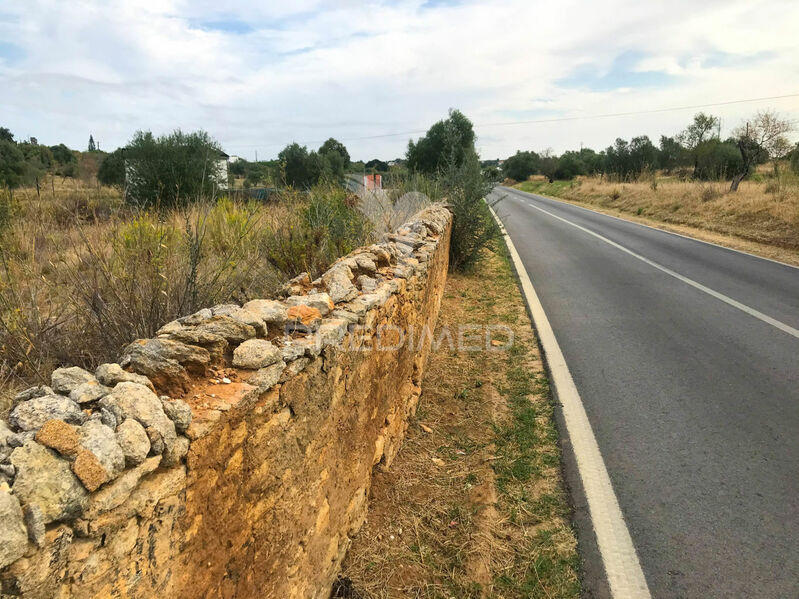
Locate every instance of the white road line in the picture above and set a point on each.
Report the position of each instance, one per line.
(711, 292)
(625, 576)
(632, 222)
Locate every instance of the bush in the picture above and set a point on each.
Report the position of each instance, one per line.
(172, 170)
(473, 226)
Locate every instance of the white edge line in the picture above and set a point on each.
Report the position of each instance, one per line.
(623, 570)
(632, 222)
(777, 324)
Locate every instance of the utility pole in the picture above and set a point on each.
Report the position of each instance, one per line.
(256, 155)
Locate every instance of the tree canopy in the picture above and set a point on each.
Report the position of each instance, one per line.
(447, 142)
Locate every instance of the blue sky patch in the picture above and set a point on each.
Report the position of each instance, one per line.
(620, 74)
(10, 52)
(227, 25)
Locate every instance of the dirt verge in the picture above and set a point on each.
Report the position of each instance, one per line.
(473, 506)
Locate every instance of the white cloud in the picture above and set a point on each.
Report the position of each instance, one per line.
(257, 75)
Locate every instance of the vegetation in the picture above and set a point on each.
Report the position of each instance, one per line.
(447, 144)
(697, 153)
(170, 170)
(82, 273)
(446, 158)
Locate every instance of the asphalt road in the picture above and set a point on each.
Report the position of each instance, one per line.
(693, 397)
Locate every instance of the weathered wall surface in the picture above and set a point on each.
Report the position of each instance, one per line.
(249, 473)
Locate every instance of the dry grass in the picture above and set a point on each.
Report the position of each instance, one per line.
(475, 508)
(82, 274)
(764, 212)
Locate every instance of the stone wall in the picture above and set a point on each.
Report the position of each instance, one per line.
(231, 455)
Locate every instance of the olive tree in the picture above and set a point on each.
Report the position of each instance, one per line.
(760, 138)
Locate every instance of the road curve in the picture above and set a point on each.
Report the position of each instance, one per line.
(686, 358)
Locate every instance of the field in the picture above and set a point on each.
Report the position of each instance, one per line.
(82, 274)
(761, 217)
(474, 504)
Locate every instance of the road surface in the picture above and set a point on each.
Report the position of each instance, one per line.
(686, 358)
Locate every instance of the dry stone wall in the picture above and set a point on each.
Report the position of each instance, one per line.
(231, 455)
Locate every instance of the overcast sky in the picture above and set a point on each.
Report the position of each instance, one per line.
(257, 75)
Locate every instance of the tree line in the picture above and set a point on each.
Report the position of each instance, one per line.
(698, 152)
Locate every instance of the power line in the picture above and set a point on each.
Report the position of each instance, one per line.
(557, 119)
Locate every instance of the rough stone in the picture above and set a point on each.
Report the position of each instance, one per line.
(303, 318)
(138, 402)
(96, 437)
(112, 374)
(133, 440)
(89, 470)
(197, 317)
(350, 317)
(366, 263)
(255, 353)
(13, 534)
(169, 328)
(19, 439)
(338, 281)
(367, 284)
(157, 445)
(332, 331)
(253, 319)
(115, 493)
(215, 345)
(266, 378)
(64, 380)
(230, 329)
(58, 435)
(46, 480)
(178, 451)
(224, 309)
(34, 521)
(293, 369)
(320, 301)
(291, 351)
(32, 392)
(178, 412)
(32, 414)
(270, 311)
(88, 392)
(166, 361)
(108, 418)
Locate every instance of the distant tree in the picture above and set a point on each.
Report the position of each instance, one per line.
(112, 169)
(548, 165)
(171, 170)
(760, 138)
(702, 130)
(12, 164)
(92, 145)
(643, 155)
(333, 146)
(62, 154)
(795, 159)
(376, 164)
(302, 169)
(716, 159)
(569, 166)
(447, 142)
(336, 158)
(6, 135)
(521, 165)
(671, 154)
(592, 162)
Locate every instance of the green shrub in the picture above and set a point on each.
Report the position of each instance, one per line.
(473, 226)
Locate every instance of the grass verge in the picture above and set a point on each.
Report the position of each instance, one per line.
(762, 218)
(474, 505)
